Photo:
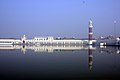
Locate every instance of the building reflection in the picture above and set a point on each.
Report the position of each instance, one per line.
(45, 48)
(52, 48)
(90, 57)
(23, 49)
(109, 49)
(60, 48)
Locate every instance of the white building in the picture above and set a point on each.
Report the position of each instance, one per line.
(9, 41)
(52, 40)
(43, 41)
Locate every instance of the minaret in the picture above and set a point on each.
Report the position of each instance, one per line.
(23, 39)
(90, 32)
(115, 29)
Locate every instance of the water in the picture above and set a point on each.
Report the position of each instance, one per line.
(35, 62)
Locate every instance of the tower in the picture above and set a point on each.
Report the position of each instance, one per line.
(115, 29)
(90, 32)
(23, 39)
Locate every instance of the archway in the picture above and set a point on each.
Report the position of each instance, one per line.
(23, 41)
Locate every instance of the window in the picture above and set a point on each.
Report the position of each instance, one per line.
(5, 42)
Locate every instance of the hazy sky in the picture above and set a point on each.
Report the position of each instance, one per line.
(63, 18)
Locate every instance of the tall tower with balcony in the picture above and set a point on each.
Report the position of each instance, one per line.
(90, 32)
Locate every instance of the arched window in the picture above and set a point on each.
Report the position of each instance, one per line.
(23, 41)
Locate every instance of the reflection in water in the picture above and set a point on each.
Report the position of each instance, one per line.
(23, 49)
(109, 50)
(49, 48)
(46, 48)
(90, 58)
(68, 61)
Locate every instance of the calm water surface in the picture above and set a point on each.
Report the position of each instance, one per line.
(98, 63)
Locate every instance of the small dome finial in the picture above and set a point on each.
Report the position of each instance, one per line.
(90, 23)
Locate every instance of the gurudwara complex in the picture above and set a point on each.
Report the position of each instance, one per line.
(62, 41)
(49, 40)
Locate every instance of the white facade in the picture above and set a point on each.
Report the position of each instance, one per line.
(51, 40)
(43, 40)
(9, 41)
(6, 41)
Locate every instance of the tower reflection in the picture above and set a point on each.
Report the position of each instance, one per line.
(90, 57)
(23, 49)
(47, 48)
